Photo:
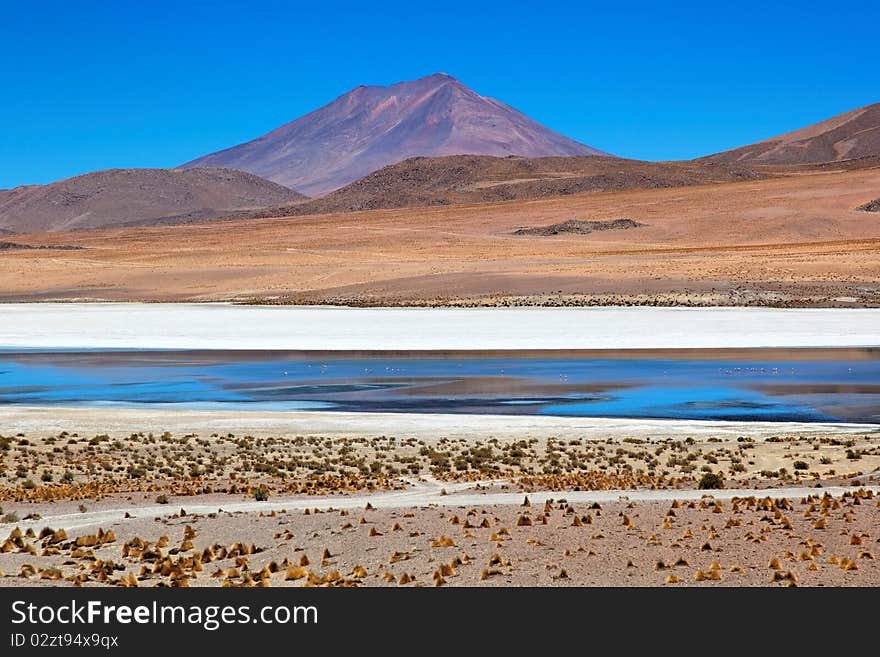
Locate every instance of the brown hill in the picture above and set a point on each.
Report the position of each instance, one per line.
(421, 182)
(124, 197)
(371, 127)
(854, 134)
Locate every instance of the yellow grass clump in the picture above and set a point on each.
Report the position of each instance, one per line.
(443, 542)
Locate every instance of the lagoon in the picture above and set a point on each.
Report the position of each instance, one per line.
(778, 385)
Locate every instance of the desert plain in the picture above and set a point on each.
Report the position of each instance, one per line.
(793, 239)
(675, 504)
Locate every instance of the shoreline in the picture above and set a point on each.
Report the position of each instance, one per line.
(47, 419)
(782, 354)
(692, 300)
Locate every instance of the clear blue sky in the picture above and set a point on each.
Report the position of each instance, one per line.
(92, 85)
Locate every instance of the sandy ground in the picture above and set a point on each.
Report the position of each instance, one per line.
(805, 537)
(88, 508)
(787, 241)
(117, 512)
(221, 326)
(44, 421)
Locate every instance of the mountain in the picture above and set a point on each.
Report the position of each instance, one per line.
(854, 134)
(456, 179)
(121, 197)
(371, 127)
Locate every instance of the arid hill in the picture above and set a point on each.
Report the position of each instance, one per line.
(126, 197)
(423, 182)
(854, 134)
(371, 127)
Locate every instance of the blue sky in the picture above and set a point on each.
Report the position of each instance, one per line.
(91, 85)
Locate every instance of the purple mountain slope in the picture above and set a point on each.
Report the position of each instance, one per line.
(371, 127)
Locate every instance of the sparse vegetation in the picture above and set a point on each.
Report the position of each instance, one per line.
(710, 480)
(163, 464)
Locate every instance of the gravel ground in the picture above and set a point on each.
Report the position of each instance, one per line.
(821, 540)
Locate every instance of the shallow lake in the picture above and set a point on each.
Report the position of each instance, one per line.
(772, 385)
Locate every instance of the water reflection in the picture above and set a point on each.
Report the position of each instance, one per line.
(723, 385)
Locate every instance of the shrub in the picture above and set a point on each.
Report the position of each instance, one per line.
(710, 480)
(801, 465)
(261, 493)
(12, 516)
(162, 499)
(137, 471)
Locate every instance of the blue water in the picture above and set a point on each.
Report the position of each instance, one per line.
(790, 390)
